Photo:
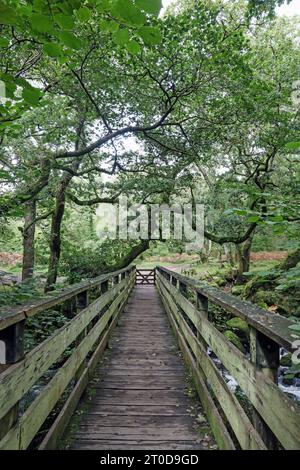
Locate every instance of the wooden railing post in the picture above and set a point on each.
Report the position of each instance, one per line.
(183, 288)
(82, 300)
(202, 304)
(12, 339)
(264, 353)
(70, 307)
(202, 307)
(104, 287)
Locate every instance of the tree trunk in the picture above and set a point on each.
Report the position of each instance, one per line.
(243, 251)
(55, 233)
(291, 260)
(28, 240)
(132, 255)
(228, 254)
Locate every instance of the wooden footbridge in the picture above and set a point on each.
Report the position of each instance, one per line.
(140, 399)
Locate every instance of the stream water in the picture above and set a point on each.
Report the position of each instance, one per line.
(292, 390)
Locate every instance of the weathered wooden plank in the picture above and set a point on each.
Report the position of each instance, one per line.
(246, 434)
(137, 383)
(138, 410)
(132, 394)
(157, 434)
(13, 338)
(141, 384)
(283, 417)
(135, 373)
(85, 444)
(152, 421)
(35, 415)
(142, 400)
(149, 363)
(264, 353)
(16, 381)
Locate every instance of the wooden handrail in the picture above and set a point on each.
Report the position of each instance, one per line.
(274, 326)
(87, 333)
(275, 417)
(11, 315)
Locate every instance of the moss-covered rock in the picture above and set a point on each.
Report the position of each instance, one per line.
(289, 305)
(238, 290)
(266, 297)
(234, 339)
(286, 360)
(239, 326)
(276, 287)
(230, 275)
(219, 281)
(288, 379)
(218, 317)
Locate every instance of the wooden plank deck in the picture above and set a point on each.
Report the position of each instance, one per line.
(142, 402)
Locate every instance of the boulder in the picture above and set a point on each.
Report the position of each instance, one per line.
(234, 339)
(238, 290)
(286, 360)
(239, 326)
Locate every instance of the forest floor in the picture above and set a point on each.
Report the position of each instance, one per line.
(12, 263)
(259, 261)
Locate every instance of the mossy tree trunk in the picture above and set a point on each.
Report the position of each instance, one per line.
(228, 254)
(243, 252)
(28, 233)
(55, 233)
(291, 260)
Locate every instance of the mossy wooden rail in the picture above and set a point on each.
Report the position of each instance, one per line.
(85, 336)
(275, 418)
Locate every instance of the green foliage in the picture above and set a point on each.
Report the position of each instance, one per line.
(150, 35)
(293, 145)
(121, 37)
(235, 340)
(267, 7)
(203, 100)
(10, 236)
(57, 26)
(82, 263)
(150, 6)
(290, 279)
(40, 327)
(19, 294)
(239, 326)
(276, 287)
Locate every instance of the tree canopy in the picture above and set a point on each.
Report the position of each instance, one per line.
(110, 97)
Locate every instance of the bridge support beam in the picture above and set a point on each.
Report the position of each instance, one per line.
(81, 302)
(265, 355)
(12, 339)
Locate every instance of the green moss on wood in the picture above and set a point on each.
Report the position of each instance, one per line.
(234, 339)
